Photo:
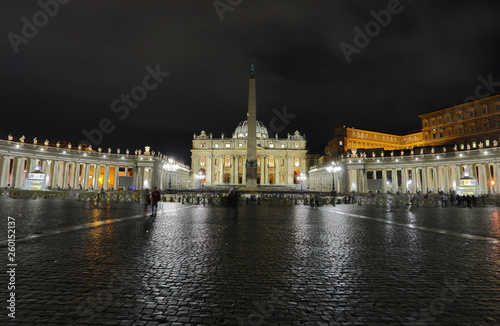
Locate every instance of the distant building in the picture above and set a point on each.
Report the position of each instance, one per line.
(457, 148)
(472, 122)
(221, 161)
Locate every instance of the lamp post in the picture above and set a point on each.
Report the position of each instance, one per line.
(199, 179)
(334, 168)
(302, 178)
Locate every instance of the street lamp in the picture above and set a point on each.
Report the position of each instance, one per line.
(302, 178)
(199, 177)
(334, 168)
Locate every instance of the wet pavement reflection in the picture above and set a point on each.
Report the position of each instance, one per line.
(195, 265)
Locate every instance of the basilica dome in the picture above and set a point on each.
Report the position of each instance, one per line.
(242, 130)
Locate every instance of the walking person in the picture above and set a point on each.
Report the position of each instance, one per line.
(232, 204)
(145, 201)
(155, 198)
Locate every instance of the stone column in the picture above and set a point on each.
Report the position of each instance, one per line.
(447, 185)
(244, 173)
(384, 180)
(404, 181)
(434, 179)
(483, 182)
(65, 181)
(496, 177)
(395, 180)
(425, 186)
(208, 174)
(276, 169)
(236, 169)
(4, 176)
(290, 170)
(117, 176)
(55, 175)
(105, 183)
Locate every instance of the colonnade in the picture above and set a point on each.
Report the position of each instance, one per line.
(413, 173)
(66, 168)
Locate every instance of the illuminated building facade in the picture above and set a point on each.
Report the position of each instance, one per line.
(221, 161)
(76, 167)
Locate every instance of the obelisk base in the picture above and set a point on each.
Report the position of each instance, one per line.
(251, 178)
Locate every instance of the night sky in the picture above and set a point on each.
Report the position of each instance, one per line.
(70, 73)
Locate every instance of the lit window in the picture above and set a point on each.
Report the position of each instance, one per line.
(340, 143)
(296, 145)
(228, 144)
(271, 145)
(484, 110)
(216, 145)
(462, 146)
(282, 145)
(239, 145)
(471, 113)
(487, 142)
(473, 144)
(459, 115)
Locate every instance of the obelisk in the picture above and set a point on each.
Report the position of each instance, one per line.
(251, 163)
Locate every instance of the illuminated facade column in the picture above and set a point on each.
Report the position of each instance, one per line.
(395, 180)
(244, 170)
(496, 177)
(290, 170)
(208, 174)
(236, 168)
(266, 170)
(483, 182)
(55, 174)
(447, 185)
(277, 159)
(117, 177)
(105, 182)
(413, 187)
(404, 180)
(86, 176)
(19, 168)
(95, 177)
(434, 179)
(425, 185)
(4, 176)
(76, 177)
(65, 182)
(384, 180)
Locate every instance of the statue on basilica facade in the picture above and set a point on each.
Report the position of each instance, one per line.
(495, 143)
(35, 141)
(480, 145)
(392, 153)
(69, 145)
(46, 142)
(22, 139)
(58, 144)
(444, 149)
(99, 149)
(421, 151)
(373, 154)
(79, 146)
(9, 137)
(455, 148)
(382, 154)
(468, 146)
(118, 151)
(127, 151)
(432, 150)
(109, 150)
(412, 152)
(146, 150)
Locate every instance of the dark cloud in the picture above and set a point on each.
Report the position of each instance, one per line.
(65, 78)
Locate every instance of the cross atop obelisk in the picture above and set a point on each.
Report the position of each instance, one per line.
(251, 163)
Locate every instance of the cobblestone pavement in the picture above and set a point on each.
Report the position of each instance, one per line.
(86, 264)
